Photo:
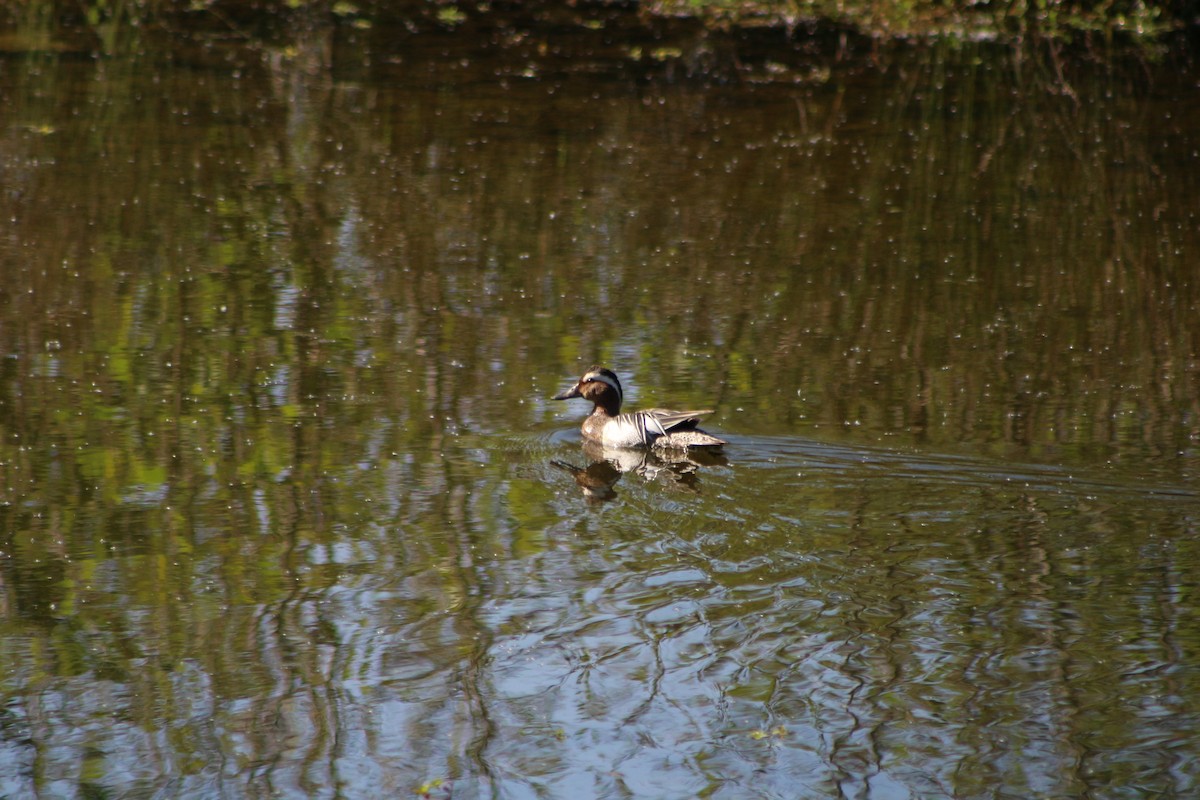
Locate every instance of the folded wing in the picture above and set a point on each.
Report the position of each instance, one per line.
(648, 425)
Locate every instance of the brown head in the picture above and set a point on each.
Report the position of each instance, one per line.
(600, 385)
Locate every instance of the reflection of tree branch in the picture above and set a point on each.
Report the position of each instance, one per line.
(472, 671)
(1001, 137)
(1055, 59)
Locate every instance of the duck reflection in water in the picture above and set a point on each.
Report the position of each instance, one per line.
(677, 469)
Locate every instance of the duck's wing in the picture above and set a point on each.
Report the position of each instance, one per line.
(680, 429)
(674, 420)
(643, 427)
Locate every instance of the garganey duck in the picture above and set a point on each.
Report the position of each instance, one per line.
(656, 428)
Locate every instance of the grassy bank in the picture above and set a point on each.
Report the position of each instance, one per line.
(879, 19)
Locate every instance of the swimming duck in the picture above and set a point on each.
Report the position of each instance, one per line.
(658, 428)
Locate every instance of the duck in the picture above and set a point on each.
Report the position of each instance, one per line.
(655, 428)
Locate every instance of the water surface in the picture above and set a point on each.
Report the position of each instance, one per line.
(287, 511)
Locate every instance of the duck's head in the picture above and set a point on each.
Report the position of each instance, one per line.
(600, 385)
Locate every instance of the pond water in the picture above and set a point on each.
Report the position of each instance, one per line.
(287, 511)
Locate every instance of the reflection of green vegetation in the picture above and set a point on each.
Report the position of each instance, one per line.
(111, 21)
(450, 15)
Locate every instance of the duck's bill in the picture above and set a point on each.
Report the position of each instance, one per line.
(568, 394)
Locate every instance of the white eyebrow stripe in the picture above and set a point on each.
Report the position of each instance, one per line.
(600, 376)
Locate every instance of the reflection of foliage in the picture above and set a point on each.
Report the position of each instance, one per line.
(115, 24)
(434, 788)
